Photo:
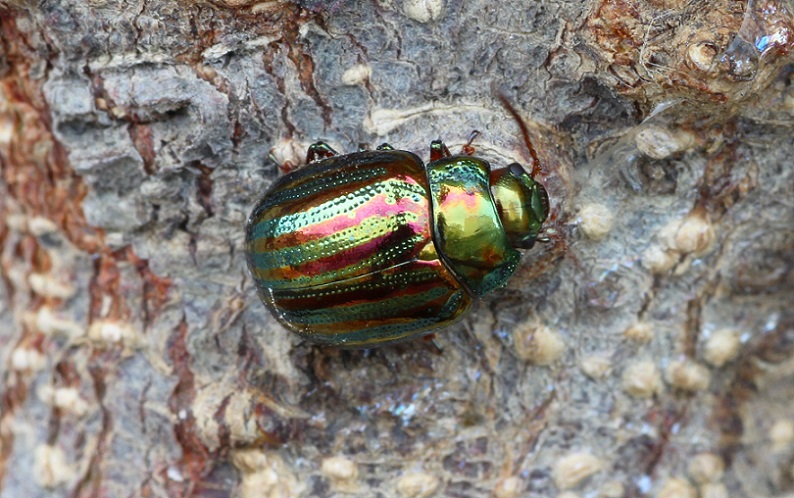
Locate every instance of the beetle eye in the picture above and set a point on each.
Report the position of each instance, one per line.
(516, 170)
(526, 243)
(544, 201)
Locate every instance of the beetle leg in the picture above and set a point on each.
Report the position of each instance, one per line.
(431, 339)
(384, 146)
(284, 167)
(438, 150)
(319, 150)
(468, 150)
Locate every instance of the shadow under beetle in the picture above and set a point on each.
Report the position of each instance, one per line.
(374, 247)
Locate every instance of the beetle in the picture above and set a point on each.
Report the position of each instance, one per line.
(374, 247)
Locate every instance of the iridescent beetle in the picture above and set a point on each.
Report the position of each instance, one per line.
(373, 247)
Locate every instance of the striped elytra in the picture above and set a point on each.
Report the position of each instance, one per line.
(373, 247)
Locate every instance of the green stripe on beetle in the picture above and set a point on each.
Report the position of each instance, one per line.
(373, 247)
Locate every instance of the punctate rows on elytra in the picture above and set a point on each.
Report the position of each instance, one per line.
(374, 247)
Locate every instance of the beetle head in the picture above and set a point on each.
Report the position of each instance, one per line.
(522, 204)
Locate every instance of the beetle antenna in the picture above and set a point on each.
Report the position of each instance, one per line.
(536, 170)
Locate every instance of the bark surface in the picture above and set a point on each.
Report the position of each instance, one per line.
(646, 350)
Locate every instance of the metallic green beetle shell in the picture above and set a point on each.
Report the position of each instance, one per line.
(373, 248)
(468, 231)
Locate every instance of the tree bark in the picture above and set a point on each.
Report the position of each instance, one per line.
(646, 350)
